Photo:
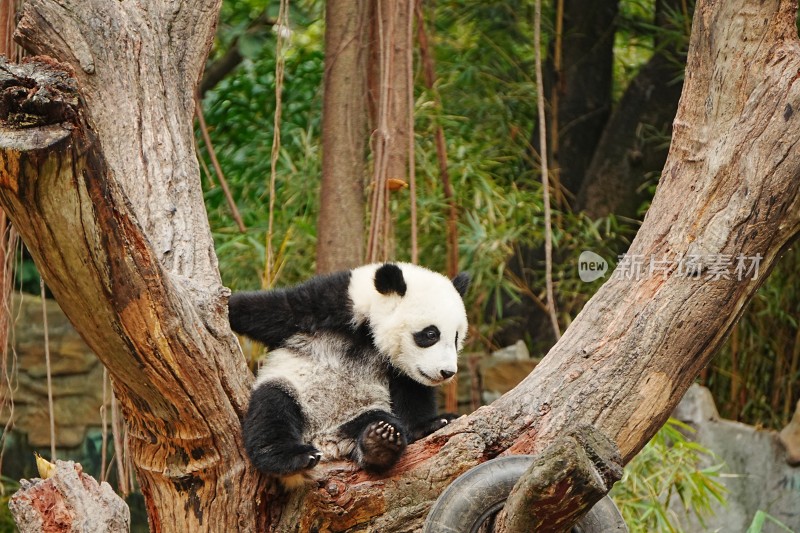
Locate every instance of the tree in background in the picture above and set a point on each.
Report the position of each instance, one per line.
(604, 152)
(340, 226)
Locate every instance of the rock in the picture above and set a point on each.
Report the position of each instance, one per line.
(790, 438)
(516, 352)
(754, 472)
(697, 406)
(499, 377)
(77, 377)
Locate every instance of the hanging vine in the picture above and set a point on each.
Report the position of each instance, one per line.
(548, 230)
(282, 26)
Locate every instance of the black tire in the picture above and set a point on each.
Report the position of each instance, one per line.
(481, 492)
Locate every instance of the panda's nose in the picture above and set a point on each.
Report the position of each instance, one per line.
(447, 374)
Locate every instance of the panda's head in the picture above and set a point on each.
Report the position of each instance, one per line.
(416, 316)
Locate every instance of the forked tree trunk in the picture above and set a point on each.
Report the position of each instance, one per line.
(109, 205)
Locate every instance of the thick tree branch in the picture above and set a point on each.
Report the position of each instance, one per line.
(138, 66)
(181, 379)
(564, 482)
(113, 214)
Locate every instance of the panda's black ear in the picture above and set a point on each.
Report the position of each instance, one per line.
(389, 279)
(461, 283)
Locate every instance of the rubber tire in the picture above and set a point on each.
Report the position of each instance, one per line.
(482, 491)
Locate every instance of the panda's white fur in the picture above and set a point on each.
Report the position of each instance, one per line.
(309, 364)
(430, 298)
(354, 357)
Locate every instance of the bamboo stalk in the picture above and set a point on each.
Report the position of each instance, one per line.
(49, 374)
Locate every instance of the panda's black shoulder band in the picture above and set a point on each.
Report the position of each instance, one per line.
(389, 279)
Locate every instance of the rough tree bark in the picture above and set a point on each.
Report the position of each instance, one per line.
(340, 227)
(108, 201)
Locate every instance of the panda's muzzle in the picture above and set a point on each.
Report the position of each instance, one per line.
(445, 375)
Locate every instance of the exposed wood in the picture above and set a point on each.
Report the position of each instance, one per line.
(107, 199)
(68, 501)
(564, 482)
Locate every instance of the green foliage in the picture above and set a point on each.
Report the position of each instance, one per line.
(488, 113)
(7, 488)
(761, 519)
(484, 64)
(239, 112)
(756, 376)
(668, 466)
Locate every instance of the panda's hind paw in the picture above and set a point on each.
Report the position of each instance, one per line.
(380, 445)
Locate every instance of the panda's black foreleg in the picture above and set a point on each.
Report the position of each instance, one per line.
(273, 433)
(380, 439)
(425, 427)
(415, 404)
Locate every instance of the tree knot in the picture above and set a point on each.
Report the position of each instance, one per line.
(38, 92)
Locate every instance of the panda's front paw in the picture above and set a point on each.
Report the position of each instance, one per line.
(380, 446)
(295, 459)
(432, 425)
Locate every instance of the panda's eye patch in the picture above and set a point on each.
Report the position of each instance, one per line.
(427, 337)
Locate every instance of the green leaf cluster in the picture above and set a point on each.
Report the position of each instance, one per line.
(665, 473)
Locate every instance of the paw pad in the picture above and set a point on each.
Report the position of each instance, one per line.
(385, 431)
(381, 444)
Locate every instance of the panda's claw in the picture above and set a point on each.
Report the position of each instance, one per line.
(313, 460)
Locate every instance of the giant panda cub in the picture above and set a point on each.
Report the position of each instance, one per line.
(354, 360)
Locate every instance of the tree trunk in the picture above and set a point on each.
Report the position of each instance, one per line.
(631, 147)
(581, 87)
(107, 197)
(389, 82)
(340, 227)
(109, 205)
